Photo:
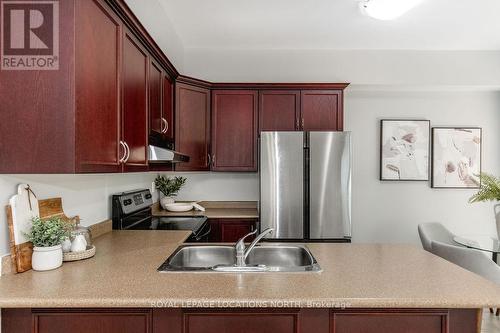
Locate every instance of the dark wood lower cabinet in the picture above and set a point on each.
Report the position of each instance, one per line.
(77, 320)
(407, 321)
(231, 230)
(262, 320)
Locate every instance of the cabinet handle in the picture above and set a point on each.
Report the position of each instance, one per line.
(166, 125)
(302, 123)
(122, 159)
(164, 122)
(127, 156)
(297, 126)
(161, 126)
(213, 160)
(209, 160)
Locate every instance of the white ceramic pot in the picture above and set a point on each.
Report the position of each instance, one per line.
(166, 201)
(47, 258)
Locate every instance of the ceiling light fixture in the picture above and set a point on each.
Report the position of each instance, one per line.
(387, 9)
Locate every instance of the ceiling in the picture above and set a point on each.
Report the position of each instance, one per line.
(333, 24)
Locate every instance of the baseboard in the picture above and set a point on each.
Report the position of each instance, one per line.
(101, 228)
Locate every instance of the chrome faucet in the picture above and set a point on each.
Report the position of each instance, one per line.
(242, 252)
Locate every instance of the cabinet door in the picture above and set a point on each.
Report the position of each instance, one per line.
(192, 126)
(135, 103)
(234, 130)
(279, 110)
(168, 107)
(321, 110)
(217, 321)
(392, 321)
(156, 124)
(98, 44)
(232, 230)
(93, 320)
(215, 232)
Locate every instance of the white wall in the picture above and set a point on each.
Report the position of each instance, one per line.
(448, 87)
(359, 67)
(391, 211)
(90, 195)
(385, 84)
(217, 186)
(156, 21)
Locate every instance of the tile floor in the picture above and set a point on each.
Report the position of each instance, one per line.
(491, 323)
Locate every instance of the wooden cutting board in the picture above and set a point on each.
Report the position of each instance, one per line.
(21, 209)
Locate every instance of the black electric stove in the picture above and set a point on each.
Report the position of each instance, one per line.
(132, 211)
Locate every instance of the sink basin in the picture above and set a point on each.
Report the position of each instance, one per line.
(263, 258)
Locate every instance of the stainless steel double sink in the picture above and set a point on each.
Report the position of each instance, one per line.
(222, 258)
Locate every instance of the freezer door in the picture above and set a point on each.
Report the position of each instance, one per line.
(282, 184)
(330, 185)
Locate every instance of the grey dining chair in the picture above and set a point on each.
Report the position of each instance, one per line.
(470, 259)
(434, 231)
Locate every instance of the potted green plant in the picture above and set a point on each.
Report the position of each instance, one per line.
(489, 191)
(169, 187)
(47, 236)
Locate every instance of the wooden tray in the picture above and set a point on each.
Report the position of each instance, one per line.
(74, 256)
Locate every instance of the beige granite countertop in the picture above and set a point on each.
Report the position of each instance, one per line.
(123, 274)
(216, 210)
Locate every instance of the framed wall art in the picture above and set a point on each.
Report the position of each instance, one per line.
(404, 149)
(456, 157)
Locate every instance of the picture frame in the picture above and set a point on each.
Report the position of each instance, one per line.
(405, 149)
(456, 157)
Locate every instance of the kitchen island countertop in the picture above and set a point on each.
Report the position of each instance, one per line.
(123, 274)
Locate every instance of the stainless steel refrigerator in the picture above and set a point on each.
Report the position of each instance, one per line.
(305, 185)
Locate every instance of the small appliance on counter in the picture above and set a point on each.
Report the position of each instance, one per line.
(132, 211)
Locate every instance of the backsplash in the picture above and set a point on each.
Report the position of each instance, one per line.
(89, 195)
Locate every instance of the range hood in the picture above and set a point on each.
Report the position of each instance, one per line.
(162, 155)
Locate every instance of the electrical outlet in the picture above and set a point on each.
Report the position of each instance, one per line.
(153, 187)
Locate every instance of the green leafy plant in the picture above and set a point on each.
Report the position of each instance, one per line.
(489, 191)
(49, 232)
(169, 186)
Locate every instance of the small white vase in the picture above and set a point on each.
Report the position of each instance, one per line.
(79, 244)
(47, 258)
(166, 201)
(66, 245)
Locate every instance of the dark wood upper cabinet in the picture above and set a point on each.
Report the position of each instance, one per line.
(321, 110)
(98, 44)
(156, 123)
(279, 110)
(234, 130)
(113, 94)
(135, 104)
(192, 126)
(168, 107)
